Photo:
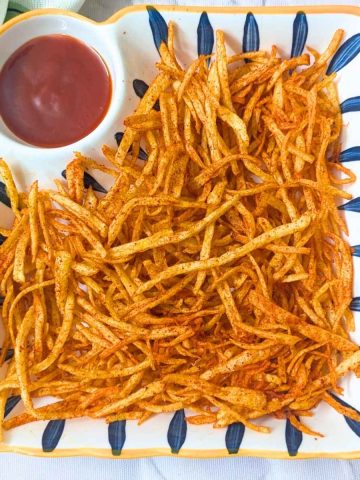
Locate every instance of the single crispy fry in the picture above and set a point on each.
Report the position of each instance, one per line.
(33, 220)
(63, 260)
(20, 255)
(221, 62)
(62, 337)
(239, 361)
(6, 175)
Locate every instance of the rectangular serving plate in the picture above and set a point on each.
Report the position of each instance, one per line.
(127, 45)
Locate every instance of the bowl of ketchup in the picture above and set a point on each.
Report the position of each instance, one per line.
(54, 91)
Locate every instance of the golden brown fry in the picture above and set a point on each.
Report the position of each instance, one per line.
(63, 260)
(5, 174)
(62, 336)
(239, 361)
(33, 220)
(221, 62)
(20, 256)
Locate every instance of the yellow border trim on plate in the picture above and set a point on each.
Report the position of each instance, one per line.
(128, 454)
(161, 452)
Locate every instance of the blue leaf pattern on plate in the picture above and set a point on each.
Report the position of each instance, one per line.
(355, 304)
(350, 105)
(205, 36)
(158, 26)
(140, 88)
(2, 239)
(4, 196)
(356, 250)
(89, 181)
(353, 424)
(345, 54)
(293, 438)
(177, 431)
(52, 434)
(119, 136)
(234, 435)
(10, 352)
(300, 33)
(11, 403)
(350, 155)
(351, 206)
(251, 38)
(117, 436)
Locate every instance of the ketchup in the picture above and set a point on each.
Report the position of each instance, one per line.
(54, 90)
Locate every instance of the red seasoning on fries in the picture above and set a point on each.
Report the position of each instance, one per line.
(213, 277)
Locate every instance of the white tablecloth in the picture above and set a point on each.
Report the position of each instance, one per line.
(16, 467)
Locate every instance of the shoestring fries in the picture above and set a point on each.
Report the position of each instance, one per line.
(212, 277)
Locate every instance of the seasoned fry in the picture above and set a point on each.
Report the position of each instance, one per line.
(5, 174)
(62, 270)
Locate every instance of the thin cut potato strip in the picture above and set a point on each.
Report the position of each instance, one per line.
(213, 276)
(6, 176)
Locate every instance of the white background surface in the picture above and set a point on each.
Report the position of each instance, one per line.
(16, 467)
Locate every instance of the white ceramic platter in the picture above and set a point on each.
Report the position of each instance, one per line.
(127, 44)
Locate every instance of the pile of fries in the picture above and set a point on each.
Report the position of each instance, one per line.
(212, 277)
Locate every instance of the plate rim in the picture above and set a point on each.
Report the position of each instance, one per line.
(133, 453)
(166, 452)
(271, 10)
